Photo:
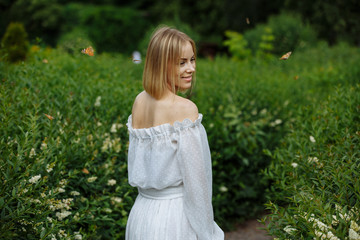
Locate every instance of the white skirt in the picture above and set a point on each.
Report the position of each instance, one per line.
(159, 215)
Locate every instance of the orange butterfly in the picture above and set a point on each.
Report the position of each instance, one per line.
(89, 51)
(48, 116)
(285, 56)
(85, 171)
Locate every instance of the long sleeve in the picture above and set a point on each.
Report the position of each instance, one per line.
(195, 166)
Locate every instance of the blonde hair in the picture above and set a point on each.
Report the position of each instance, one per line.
(162, 59)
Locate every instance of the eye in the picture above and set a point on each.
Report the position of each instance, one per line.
(192, 59)
(182, 63)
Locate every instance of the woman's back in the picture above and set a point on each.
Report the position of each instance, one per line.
(149, 112)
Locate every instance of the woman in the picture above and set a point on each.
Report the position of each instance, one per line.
(169, 157)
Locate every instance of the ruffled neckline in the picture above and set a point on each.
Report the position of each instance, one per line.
(163, 129)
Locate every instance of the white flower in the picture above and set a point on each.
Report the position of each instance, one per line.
(278, 121)
(111, 182)
(35, 201)
(290, 230)
(335, 221)
(63, 182)
(99, 124)
(116, 144)
(331, 236)
(116, 199)
(263, 112)
(107, 210)
(63, 214)
(91, 179)
(74, 193)
(49, 219)
(32, 153)
(77, 216)
(223, 189)
(106, 144)
(61, 190)
(34, 179)
(312, 139)
(113, 128)
(77, 236)
(48, 168)
(294, 164)
(97, 102)
(275, 123)
(354, 226)
(313, 159)
(353, 235)
(43, 146)
(77, 140)
(63, 205)
(62, 234)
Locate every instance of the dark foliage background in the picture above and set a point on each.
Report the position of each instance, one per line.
(121, 25)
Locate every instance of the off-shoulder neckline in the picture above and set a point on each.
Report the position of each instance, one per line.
(162, 128)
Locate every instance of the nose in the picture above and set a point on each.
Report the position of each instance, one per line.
(190, 68)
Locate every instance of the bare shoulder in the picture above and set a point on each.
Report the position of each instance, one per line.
(140, 98)
(186, 109)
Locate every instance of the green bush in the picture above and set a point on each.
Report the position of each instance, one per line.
(112, 29)
(74, 41)
(238, 46)
(66, 176)
(315, 172)
(41, 18)
(14, 42)
(248, 107)
(289, 32)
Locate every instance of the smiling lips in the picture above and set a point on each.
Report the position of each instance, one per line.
(188, 78)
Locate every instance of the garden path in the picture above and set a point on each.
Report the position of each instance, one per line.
(249, 230)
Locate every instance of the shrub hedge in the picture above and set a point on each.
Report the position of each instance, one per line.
(315, 172)
(63, 140)
(14, 43)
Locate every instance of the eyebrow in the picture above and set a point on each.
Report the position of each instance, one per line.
(186, 58)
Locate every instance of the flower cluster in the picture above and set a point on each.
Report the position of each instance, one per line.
(354, 231)
(275, 123)
(98, 102)
(115, 127)
(34, 179)
(109, 143)
(322, 231)
(316, 161)
(92, 179)
(111, 182)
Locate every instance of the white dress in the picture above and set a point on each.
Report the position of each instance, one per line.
(171, 167)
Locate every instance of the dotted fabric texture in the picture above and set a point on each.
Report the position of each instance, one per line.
(164, 157)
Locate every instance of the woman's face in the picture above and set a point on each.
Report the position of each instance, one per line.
(186, 67)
